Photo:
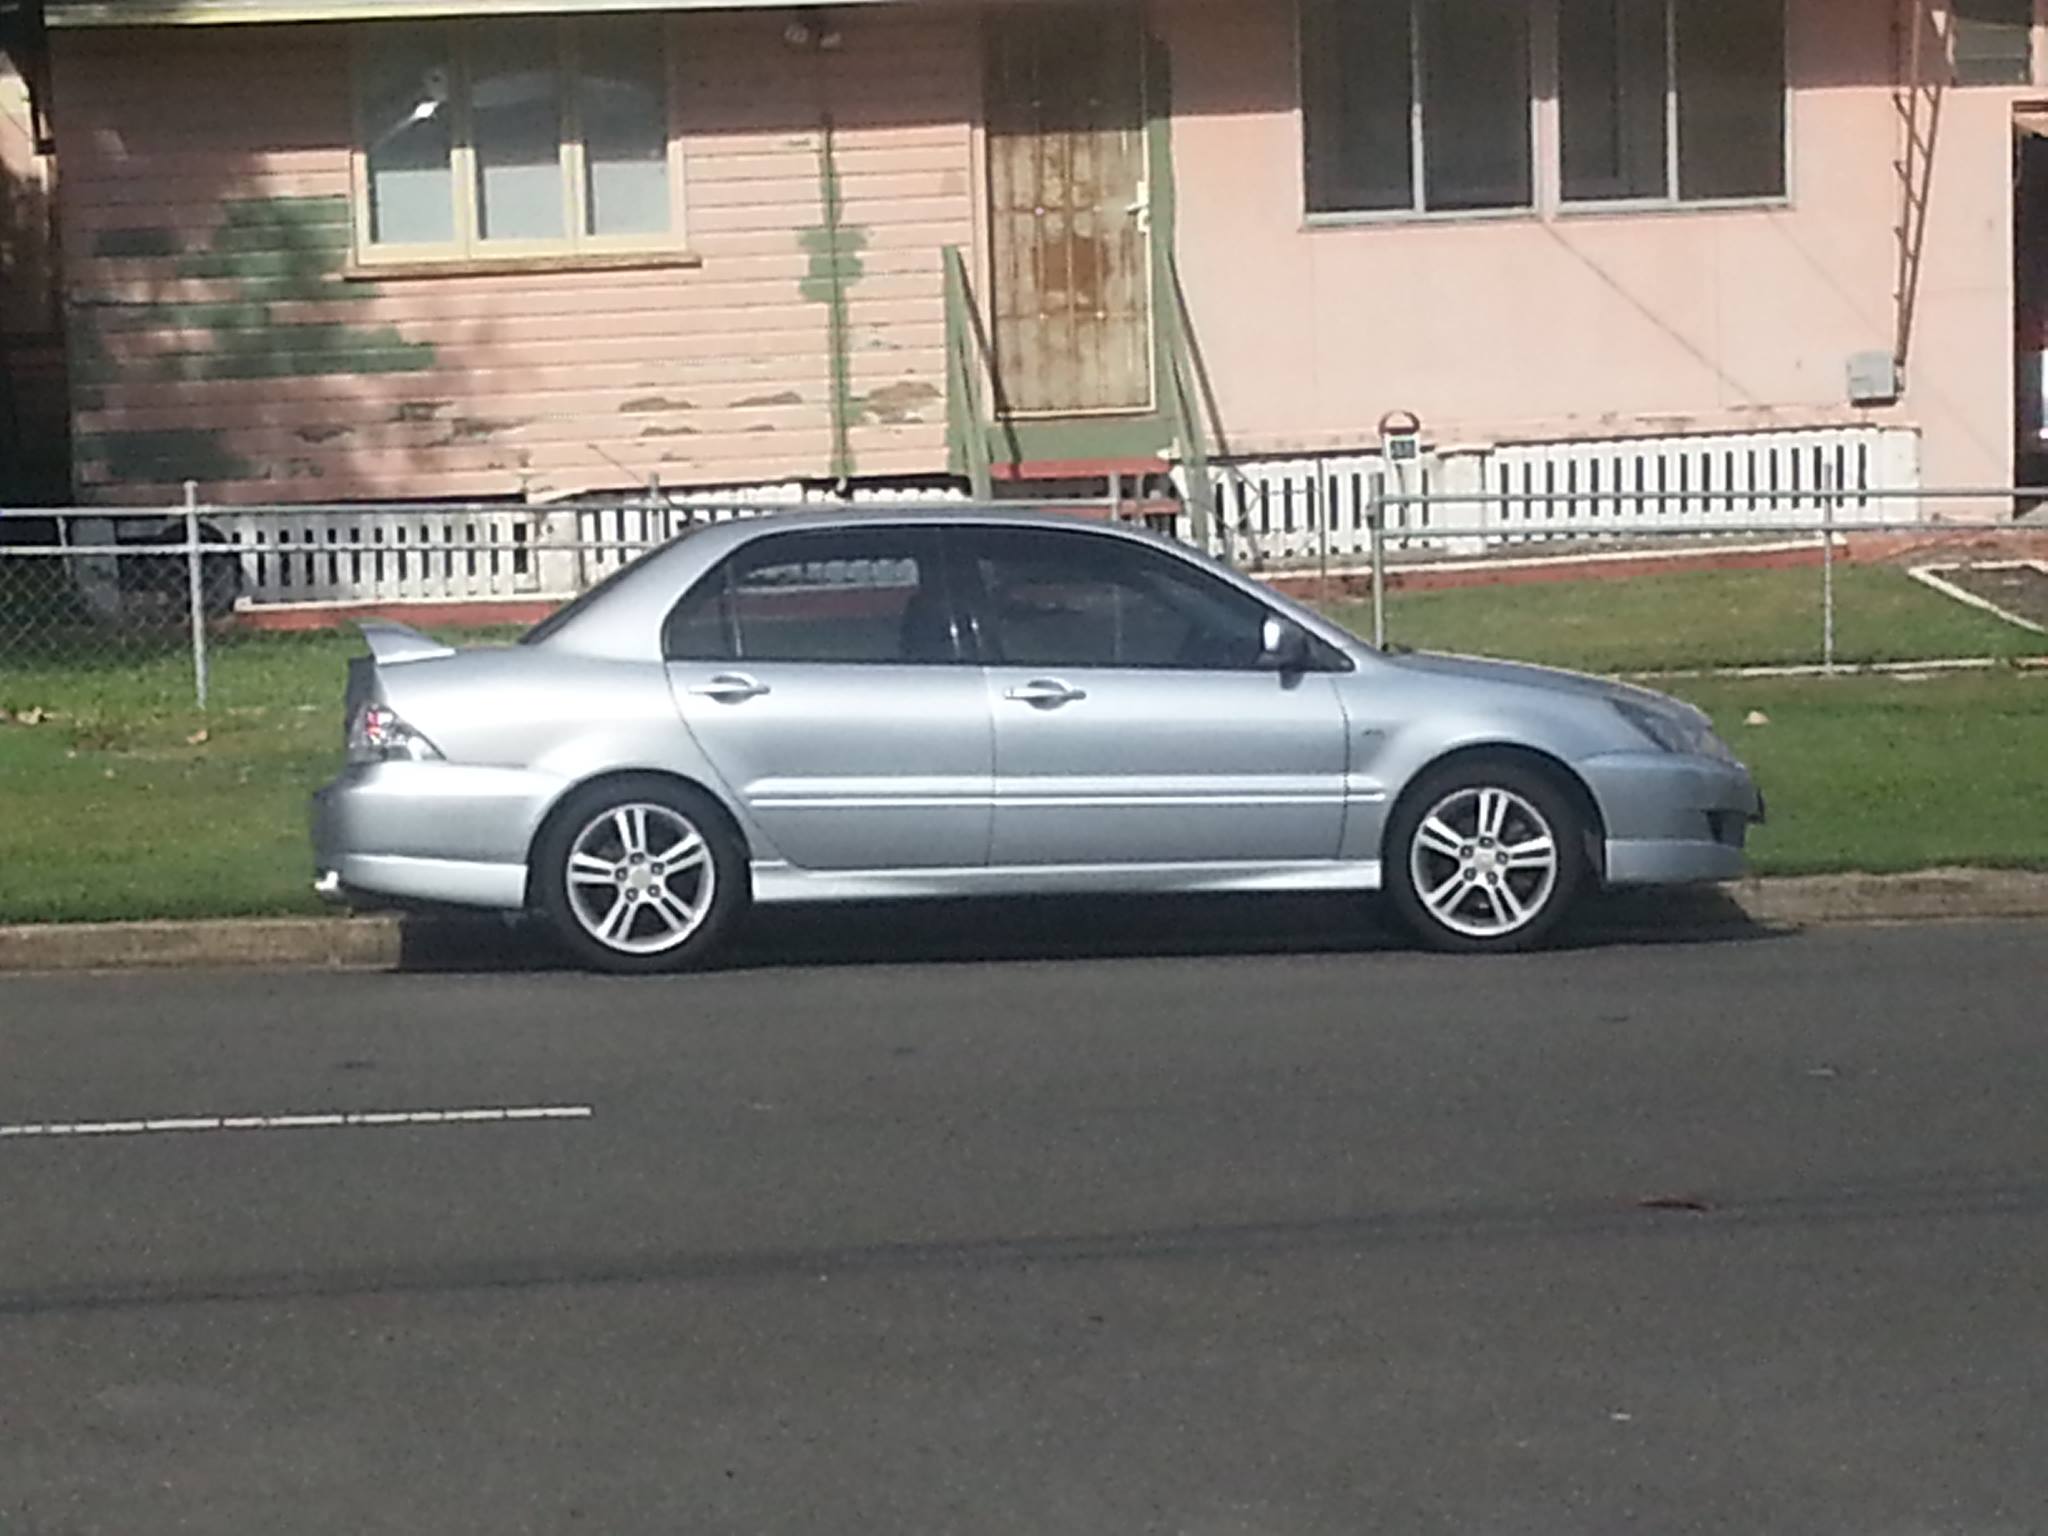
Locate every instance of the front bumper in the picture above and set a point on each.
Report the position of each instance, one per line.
(1673, 819)
(428, 832)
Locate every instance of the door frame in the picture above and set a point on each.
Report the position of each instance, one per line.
(1152, 164)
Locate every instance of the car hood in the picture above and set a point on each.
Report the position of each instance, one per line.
(1479, 669)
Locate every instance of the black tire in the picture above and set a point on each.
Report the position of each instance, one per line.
(595, 819)
(1477, 889)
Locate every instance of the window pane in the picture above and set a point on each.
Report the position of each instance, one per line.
(619, 92)
(1731, 98)
(1613, 71)
(403, 98)
(867, 597)
(1061, 600)
(700, 627)
(1994, 41)
(1356, 105)
(516, 124)
(1475, 104)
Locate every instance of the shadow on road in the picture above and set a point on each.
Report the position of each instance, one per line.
(1092, 928)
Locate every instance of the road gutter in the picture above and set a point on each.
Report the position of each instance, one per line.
(394, 943)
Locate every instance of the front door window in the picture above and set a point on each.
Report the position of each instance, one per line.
(1053, 600)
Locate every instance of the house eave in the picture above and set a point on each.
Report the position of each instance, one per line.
(189, 13)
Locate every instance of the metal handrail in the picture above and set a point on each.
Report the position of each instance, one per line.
(966, 431)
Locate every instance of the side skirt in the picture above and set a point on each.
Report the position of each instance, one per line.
(776, 882)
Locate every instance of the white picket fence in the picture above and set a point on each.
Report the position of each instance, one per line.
(1289, 509)
(1276, 511)
(471, 553)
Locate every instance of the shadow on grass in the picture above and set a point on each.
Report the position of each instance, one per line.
(1069, 928)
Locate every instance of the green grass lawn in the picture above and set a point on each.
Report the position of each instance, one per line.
(110, 808)
(1884, 774)
(115, 807)
(1694, 619)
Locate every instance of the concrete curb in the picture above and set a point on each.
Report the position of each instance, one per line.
(294, 942)
(1800, 901)
(387, 943)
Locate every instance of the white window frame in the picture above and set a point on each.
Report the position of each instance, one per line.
(1418, 143)
(1671, 199)
(468, 250)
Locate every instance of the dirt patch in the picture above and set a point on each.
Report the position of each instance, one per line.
(2021, 590)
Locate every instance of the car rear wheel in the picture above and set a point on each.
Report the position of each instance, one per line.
(639, 874)
(1485, 855)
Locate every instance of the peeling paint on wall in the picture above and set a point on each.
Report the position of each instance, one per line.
(164, 455)
(478, 429)
(140, 241)
(267, 251)
(895, 405)
(835, 265)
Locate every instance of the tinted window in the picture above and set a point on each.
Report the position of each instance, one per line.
(1365, 131)
(1056, 599)
(867, 596)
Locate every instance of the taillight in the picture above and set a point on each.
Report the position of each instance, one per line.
(377, 735)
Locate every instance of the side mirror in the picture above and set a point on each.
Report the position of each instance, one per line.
(1283, 646)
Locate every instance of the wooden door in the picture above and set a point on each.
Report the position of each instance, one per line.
(1071, 287)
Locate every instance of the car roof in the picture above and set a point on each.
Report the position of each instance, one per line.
(1065, 516)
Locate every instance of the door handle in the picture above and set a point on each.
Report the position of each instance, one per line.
(1044, 693)
(730, 688)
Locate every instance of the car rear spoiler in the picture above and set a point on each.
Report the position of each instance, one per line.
(392, 642)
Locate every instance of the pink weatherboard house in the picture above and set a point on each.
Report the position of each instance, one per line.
(343, 250)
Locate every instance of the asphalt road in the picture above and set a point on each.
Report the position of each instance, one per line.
(1307, 1237)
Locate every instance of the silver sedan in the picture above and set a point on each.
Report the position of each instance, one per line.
(853, 706)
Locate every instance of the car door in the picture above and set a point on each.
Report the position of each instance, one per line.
(822, 673)
(1136, 720)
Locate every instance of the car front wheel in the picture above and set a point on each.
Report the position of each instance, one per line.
(638, 874)
(1485, 855)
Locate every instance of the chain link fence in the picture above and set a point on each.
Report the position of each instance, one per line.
(106, 611)
(1681, 581)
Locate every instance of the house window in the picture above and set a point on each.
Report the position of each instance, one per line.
(1994, 41)
(1416, 106)
(514, 138)
(1671, 100)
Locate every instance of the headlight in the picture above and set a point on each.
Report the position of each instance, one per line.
(377, 735)
(1687, 732)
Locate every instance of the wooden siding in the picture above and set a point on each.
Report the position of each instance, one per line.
(217, 333)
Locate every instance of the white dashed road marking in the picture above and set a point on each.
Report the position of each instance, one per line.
(348, 1119)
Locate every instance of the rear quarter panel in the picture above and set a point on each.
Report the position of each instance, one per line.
(560, 719)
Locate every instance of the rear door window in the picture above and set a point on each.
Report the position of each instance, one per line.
(875, 596)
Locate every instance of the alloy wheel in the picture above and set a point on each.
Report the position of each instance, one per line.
(1484, 861)
(640, 878)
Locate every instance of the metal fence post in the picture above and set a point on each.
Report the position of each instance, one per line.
(196, 585)
(1376, 522)
(1827, 570)
(1319, 508)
